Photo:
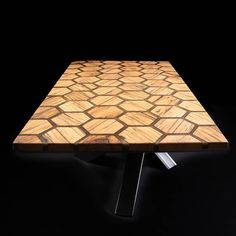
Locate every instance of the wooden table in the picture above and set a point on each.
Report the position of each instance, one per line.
(120, 106)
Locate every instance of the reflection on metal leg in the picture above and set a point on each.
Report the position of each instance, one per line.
(166, 159)
(129, 189)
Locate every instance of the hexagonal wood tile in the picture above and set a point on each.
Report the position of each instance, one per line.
(70, 119)
(75, 106)
(136, 105)
(36, 127)
(174, 126)
(103, 126)
(137, 118)
(143, 135)
(45, 112)
(105, 112)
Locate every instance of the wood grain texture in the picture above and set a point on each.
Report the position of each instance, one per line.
(120, 106)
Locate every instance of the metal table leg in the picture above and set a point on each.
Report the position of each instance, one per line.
(129, 189)
(166, 159)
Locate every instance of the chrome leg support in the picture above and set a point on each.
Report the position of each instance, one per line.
(129, 188)
(166, 159)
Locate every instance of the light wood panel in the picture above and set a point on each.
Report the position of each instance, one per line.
(120, 106)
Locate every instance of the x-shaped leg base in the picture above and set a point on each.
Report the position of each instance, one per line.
(129, 188)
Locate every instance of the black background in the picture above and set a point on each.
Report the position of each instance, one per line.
(61, 195)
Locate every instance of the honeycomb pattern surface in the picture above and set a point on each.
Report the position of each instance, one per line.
(120, 106)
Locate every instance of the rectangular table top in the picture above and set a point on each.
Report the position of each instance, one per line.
(120, 106)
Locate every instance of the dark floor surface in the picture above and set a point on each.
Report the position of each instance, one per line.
(62, 195)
